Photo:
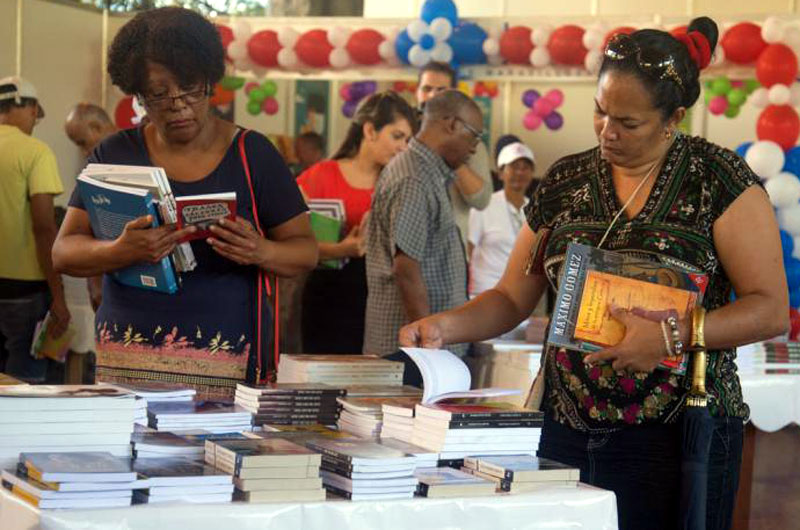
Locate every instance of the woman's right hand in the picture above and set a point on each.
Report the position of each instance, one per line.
(140, 242)
(352, 244)
(425, 333)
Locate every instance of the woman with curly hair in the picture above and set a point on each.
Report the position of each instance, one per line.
(205, 335)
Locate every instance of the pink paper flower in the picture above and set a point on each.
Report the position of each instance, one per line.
(630, 413)
(628, 385)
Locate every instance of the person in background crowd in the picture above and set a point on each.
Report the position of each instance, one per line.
(472, 185)
(503, 141)
(334, 300)
(29, 286)
(650, 192)
(492, 231)
(87, 125)
(309, 148)
(415, 259)
(205, 335)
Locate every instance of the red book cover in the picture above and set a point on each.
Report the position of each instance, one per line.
(203, 211)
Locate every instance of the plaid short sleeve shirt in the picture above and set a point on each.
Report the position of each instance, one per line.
(411, 211)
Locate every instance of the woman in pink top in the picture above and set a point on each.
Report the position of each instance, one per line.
(334, 299)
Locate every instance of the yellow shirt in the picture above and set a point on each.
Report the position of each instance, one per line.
(27, 167)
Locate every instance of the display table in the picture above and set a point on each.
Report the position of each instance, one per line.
(552, 508)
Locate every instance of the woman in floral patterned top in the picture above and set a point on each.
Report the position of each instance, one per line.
(684, 202)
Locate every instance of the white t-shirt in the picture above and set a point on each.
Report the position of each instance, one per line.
(492, 232)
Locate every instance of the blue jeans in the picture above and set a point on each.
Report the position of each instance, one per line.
(642, 466)
(18, 318)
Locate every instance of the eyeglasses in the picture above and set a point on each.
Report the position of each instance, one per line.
(476, 134)
(165, 102)
(653, 63)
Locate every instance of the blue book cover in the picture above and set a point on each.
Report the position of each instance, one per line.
(110, 208)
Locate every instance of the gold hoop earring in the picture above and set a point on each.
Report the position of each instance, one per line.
(668, 134)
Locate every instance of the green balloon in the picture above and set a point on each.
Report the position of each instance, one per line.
(232, 83)
(258, 95)
(732, 111)
(751, 85)
(721, 86)
(709, 95)
(269, 88)
(737, 97)
(254, 107)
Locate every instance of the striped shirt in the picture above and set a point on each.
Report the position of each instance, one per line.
(411, 212)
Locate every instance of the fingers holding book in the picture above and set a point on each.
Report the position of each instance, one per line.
(140, 241)
(238, 241)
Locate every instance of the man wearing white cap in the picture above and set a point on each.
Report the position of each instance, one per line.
(29, 180)
(492, 231)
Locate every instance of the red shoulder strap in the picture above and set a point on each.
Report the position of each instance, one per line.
(263, 277)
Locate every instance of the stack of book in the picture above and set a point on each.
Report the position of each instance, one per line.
(275, 469)
(361, 416)
(180, 480)
(523, 473)
(446, 482)
(425, 458)
(165, 445)
(290, 404)
(209, 416)
(340, 370)
(43, 418)
(398, 419)
(72, 480)
(457, 431)
(362, 469)
(154, 393)
(298, 434)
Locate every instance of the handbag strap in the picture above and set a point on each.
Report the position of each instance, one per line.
(263, 277)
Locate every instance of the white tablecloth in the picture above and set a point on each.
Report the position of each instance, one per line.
(553, 508)
(774, 399)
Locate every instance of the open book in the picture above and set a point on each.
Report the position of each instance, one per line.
(445, 376)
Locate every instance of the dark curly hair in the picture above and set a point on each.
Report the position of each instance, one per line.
(667, 95)
(183, 41)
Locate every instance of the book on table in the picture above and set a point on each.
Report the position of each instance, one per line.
(446, 482)
(232, 455)
(178, 479)
(77, 467)
(592, 279)
(523, 468)
(6, 379)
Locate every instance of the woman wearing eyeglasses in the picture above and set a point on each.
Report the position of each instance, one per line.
(652, 192)
(206, 335)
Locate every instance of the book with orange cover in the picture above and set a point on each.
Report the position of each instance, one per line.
(593, 279)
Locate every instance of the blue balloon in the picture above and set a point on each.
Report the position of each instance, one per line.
(794, 298)
(427, 41)
(432, 9)
(792, 267)
(787, 243)
(792, 163)
(467, 43)
(402, 44)
(742, 149)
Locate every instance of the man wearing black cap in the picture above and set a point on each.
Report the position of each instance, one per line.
(29, 180)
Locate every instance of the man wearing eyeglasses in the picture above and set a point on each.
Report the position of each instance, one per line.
(29, 180)
(416, 263)
(472, 186)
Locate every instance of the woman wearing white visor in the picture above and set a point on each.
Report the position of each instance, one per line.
(492, 231)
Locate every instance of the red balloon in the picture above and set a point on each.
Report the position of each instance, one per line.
(124, 114)
(313, 48)
(780, 124)
(622, 30)
(794, 320)
(679, 30)
(566, 45)
(263, 48)
(226, 35)
(399, 86)
(363, 46)
(516, 45)
(777, 64)
(743, 43)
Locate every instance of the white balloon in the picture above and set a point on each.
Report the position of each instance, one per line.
(339, 58)
(287, 36)
(287, 58)
(491, 47)
(442, 53)
(779, 95)
(418, 57)
(237, 50)
(765, 158)
(719, 56)
(760, 97)
(794, 92)
(772, 30)
(592, 39)
(337, 36)
(386, 50)
(417, 29)
(789, 219)
(783, 190)
(244, 64)
(593, 61)
(540, 57)
(540, 35)
(242, 30)
(441, 29)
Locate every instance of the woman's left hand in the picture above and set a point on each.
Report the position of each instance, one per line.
(239, 242)
(642, 348)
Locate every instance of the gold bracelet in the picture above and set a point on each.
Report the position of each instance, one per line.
(667, 342)
(698, 341)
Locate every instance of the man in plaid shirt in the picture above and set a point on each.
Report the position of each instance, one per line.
(416, 264)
